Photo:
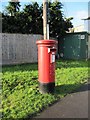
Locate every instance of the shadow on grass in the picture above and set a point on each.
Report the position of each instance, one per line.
(20, 67)
(34, 66)
(67, 89)
(72, 63)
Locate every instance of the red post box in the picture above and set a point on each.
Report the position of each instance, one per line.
(46, 65)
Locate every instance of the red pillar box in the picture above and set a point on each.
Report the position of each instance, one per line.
(46, 65)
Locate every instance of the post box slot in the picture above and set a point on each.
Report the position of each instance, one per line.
(52, 49)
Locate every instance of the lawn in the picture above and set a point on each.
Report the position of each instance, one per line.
(20, 93)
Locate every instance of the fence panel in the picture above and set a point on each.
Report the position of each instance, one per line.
(18, 48)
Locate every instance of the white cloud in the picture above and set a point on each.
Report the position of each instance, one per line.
(81, 14)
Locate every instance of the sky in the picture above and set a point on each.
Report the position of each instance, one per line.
(78, 9)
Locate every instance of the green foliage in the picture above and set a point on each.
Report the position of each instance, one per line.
(21, 97)
(13, 8)
(58, 24)
(30, 21)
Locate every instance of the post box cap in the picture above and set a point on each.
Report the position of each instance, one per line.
(47, 42)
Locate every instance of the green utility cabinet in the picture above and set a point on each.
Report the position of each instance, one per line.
(74, 46)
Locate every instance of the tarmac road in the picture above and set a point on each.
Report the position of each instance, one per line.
(74, 105)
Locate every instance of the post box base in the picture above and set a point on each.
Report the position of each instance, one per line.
(46, 87)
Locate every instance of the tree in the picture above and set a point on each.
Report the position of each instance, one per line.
(13, 8)
(58, 24)
(33, 16)
(30, 21)
(0, 22)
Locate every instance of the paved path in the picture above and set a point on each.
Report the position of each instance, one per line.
(74, 105)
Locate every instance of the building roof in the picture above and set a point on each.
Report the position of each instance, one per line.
(87, 18)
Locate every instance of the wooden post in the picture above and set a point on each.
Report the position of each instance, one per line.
(45, 19)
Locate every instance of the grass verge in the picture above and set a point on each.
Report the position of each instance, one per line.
(20, 93)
